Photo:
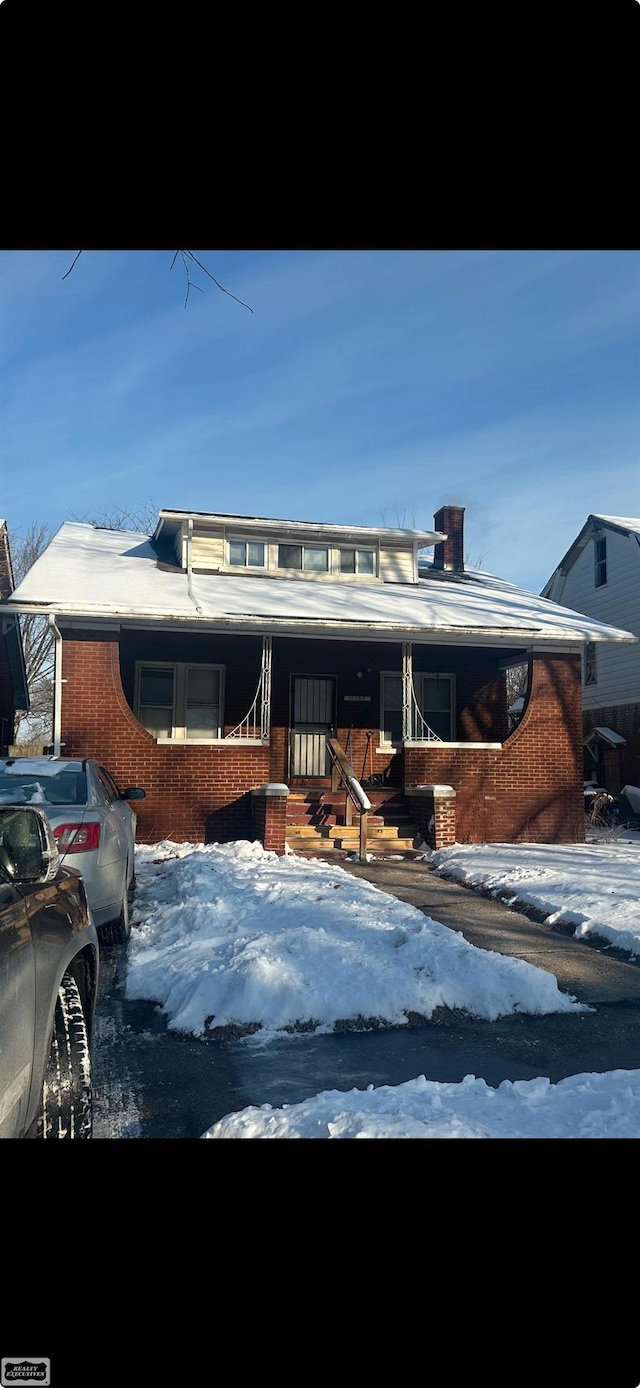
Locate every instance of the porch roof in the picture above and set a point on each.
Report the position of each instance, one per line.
(95, 573)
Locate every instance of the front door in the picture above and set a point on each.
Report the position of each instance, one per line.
(312, 720)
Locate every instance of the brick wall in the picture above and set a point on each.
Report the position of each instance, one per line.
(192, 793)
(531, 788)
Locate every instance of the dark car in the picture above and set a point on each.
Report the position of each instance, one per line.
(91, 820)
(49, 960)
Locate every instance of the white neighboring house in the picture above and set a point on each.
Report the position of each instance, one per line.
(600, 576)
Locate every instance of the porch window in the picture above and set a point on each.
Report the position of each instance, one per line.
(313, 558)
(601, 562)
(437, 703)
(590, 663)
(247, 553)
(357, 561)
(435, 696)
(180, 701)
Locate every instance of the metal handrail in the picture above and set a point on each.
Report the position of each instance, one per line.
(342, 770)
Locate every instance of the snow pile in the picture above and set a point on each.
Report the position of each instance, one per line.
(229, 935)
(595, 887)
(592, 1105)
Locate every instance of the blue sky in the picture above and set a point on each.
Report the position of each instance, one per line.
(365, 387)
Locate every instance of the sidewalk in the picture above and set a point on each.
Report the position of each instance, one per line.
(520, 1046)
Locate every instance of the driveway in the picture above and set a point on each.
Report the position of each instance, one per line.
(153, 1083)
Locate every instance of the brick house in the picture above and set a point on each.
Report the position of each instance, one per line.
(600, 575)
(270, 678)
(14, 694)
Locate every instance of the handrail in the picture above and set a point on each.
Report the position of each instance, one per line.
(342, 770)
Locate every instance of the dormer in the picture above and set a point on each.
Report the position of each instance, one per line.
(267, 548)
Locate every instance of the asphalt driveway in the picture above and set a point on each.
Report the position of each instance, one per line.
(153, 1083)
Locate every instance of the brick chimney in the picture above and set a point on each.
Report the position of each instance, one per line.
(450, 553)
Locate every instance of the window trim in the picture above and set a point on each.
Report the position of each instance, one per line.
(180, 670)
(293, 544)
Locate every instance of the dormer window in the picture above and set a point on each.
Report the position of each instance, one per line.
(601, 562)
(247, 554)
(357, 561)
(313, 558)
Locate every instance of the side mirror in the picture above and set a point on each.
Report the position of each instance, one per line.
(28, 850)
(132, 793)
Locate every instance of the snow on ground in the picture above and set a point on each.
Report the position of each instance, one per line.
(230, 935)
(595, 1106)
(594, 886)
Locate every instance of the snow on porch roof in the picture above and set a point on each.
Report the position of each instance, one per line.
(92, 572)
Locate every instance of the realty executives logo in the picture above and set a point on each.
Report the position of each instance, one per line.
(25, 1371)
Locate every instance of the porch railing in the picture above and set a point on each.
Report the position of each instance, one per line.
(342, 773)
(414, 725)
(257, 722)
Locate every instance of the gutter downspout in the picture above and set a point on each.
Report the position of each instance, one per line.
(189, 542)
(57, 687)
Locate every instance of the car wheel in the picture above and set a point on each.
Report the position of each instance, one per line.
(66, 1094)
(117, 932)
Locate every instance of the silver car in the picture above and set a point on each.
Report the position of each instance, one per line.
(93, 825)
(49, 963)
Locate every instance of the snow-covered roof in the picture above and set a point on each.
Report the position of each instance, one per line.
(87, 571)
(608, 735)
(622, 522)
(170, 521)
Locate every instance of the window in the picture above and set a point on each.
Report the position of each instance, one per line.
(313, 558)
(180, 701)
(601, 563)
(434, 694)
(437, 702)
(391, 710)
(590, 663)
(357, 561)
(247, 553)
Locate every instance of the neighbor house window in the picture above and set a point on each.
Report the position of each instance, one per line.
(590, 663)
(313, 558)
(357, 561)
(435, 698)
(180, 701)
(601, 562)
(247, 553)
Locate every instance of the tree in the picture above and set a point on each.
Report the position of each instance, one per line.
(37, 641)
(144, 519)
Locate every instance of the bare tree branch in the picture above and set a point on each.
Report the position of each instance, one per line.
(216, 282)
(72, 265)
(191, 284)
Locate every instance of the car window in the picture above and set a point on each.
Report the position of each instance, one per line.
(110, 788)
(64, 786)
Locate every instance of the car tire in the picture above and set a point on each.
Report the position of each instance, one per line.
(66, 1110)
(117, 932)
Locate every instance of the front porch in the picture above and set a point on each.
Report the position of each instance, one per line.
(203, 719)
